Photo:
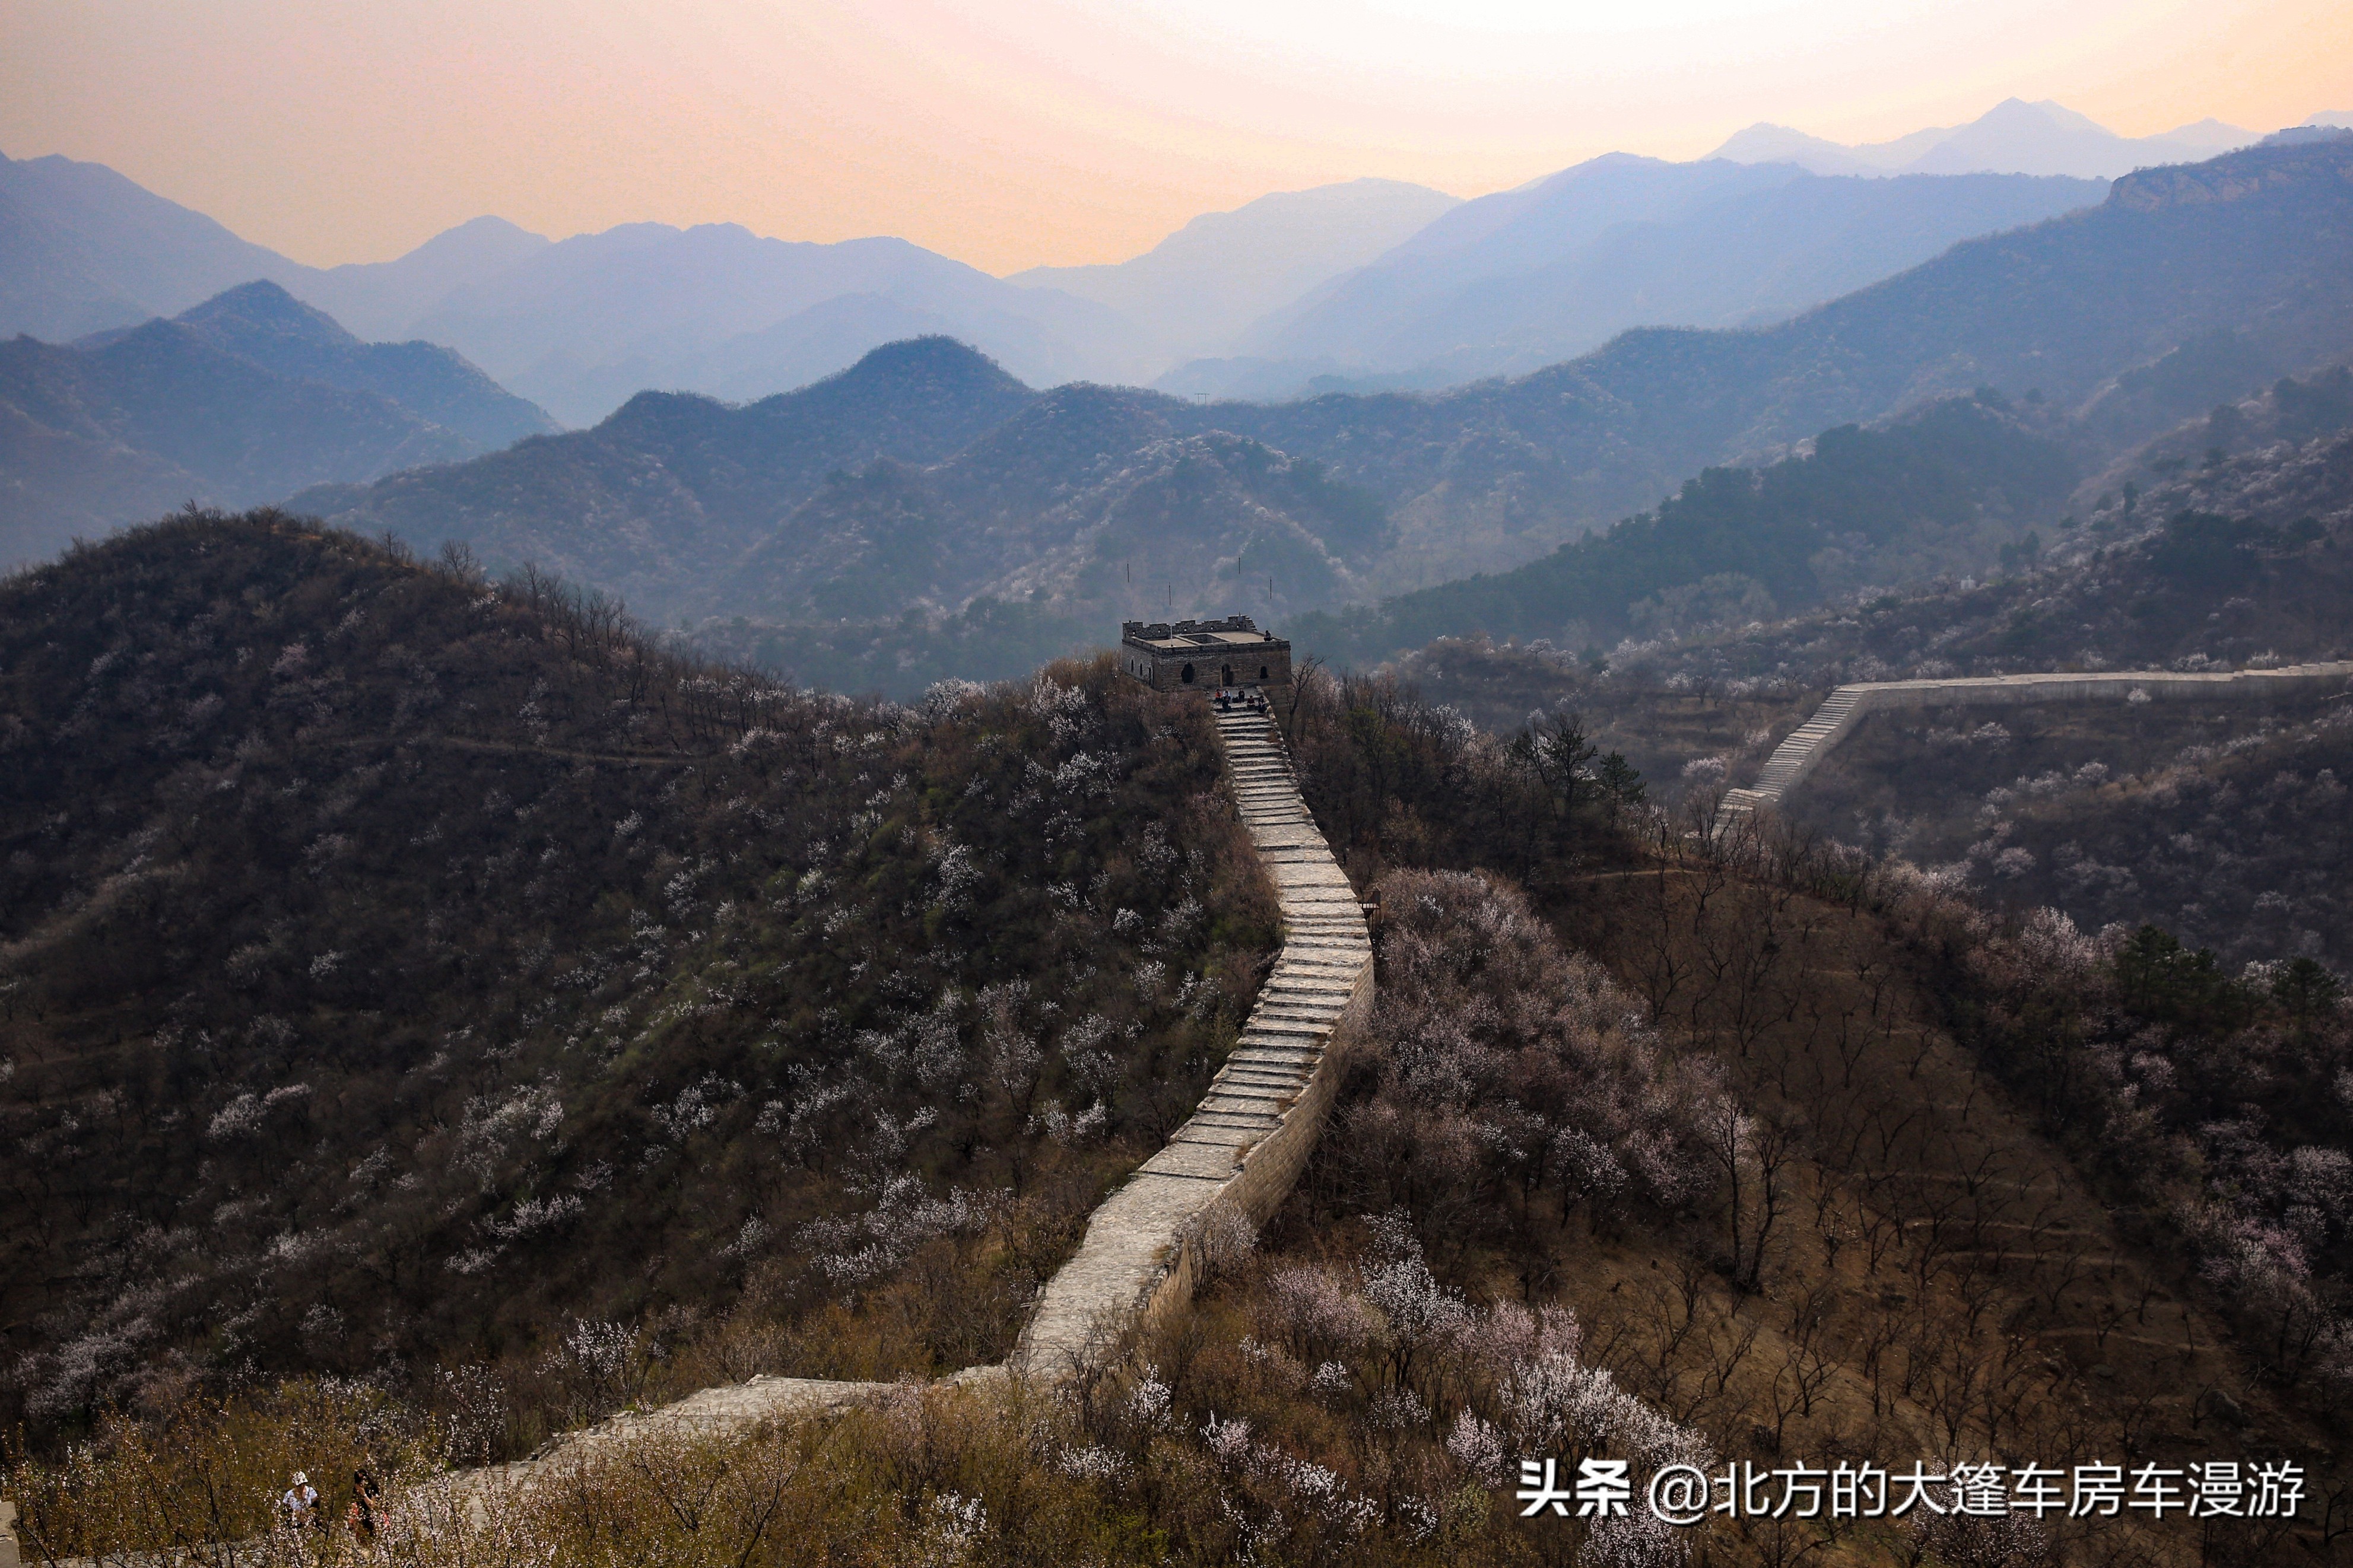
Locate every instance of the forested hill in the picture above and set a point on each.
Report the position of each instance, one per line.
(399, 965)
(1947, 485)
(2248, 554)
(665, 498)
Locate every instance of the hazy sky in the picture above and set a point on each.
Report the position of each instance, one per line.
(1009, 133)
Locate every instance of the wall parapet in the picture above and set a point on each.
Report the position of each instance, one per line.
(1802, 751)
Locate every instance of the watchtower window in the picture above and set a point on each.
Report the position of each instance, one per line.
(1186, 675)
(1261, 672)
(1228, 676)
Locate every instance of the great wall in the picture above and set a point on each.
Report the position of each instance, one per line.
(1147, 1246)
(1805, 748)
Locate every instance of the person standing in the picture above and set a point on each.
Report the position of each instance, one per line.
(365, 1498)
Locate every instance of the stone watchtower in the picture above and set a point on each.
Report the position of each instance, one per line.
(1203, 655)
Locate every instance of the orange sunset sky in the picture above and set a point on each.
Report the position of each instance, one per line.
(1008, 134)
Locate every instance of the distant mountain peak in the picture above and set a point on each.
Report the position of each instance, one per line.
(2015, 136)
(933, 357)
(486, 236)
(263, 308)
(649, 415)
(2042, 111)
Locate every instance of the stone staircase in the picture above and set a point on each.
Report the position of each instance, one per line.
(1795, 756)
(1245, 1144)
(1146, 1246)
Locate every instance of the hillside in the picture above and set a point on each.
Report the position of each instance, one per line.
(2246, 556)
(100, 438)
(1943, 488)
(663, 500)
(1084, 498)
(2223, 824)
(402, 965)
(924, 478)
(83, 249)
(1648, 1155)
(263, 323)
(245, 398)
(1200, 290)
(2216, 821)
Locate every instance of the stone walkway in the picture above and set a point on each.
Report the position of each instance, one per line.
(1146, 1246)
(1804, 749)
(1245, 1144)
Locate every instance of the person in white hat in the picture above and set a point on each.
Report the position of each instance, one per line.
(301, 1503)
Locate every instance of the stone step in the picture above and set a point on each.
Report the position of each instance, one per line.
(1263, 1076)
(1269, 1081)
(1337, 988)
(1208, 1124)
(1245, 1096)
(1294, 1066)
(1303, 1058)
(1279, 1038)
(1238, 1115)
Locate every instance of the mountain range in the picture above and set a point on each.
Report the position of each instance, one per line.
(1514, 281)
(243, 398)
(1366, 284)
(2014, 137)
(1201, 290)
(927, 479)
